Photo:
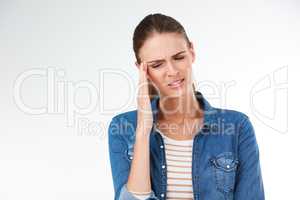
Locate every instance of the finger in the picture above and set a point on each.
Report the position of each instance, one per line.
(143, 82)
(143, 71)
(142, 67)
(146, 68)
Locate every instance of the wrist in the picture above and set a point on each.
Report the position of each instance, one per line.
(142, 131)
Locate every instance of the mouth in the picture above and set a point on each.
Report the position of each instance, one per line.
(176, 83)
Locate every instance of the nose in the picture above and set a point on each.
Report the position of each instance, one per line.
(172, 70)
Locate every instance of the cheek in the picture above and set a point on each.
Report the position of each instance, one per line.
(184, 67)
(188, 64)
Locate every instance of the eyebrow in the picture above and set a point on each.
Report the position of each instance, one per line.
(159, 60)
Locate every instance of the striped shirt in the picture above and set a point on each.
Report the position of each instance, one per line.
(179, 168)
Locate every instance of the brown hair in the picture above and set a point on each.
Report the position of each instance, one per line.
(151, 24)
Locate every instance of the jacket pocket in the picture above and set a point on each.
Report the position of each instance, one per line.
(224, 168)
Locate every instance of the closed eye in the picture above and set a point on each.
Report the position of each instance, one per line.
(159, 64)
(155, 66)
(179, 58)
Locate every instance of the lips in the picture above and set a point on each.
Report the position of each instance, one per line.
(176, 83)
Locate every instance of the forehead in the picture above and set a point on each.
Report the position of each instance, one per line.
(162, 45)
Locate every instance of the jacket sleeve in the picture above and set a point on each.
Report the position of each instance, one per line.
(120, 165)
(249, 183)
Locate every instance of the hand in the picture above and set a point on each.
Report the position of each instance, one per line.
(145, 117)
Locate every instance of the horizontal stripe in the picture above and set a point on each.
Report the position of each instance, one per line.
(183, 158)
(179, 160)
(167, 143)
(179, 181)
(179, 149)
(181, 164)
(180, 178)
(179, 175)
(185, 189)
(179, 172)
(178, 166)
(180, 185)
(175, 155)
(178, 153)
(179, 169)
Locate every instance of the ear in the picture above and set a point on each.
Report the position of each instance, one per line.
(192, 50)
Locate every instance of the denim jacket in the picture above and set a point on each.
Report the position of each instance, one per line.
(225, 156)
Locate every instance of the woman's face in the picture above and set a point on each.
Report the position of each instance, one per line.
(169, 59)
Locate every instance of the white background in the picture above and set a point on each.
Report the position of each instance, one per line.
(249, 47)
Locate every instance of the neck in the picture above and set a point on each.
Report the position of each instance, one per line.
(185, 106)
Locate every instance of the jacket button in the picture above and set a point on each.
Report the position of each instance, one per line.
(163, 166)
(161, 146)
(162, 195)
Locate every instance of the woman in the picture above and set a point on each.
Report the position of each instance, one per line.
(176, 145)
